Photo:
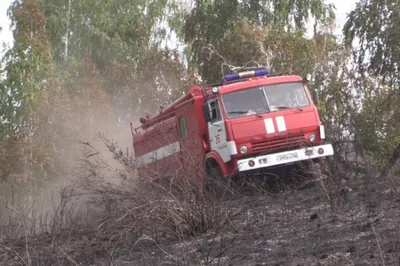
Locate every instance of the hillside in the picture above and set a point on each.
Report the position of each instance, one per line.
(77, 71)
(358, 226)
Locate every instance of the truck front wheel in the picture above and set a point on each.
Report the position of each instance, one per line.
(215, 182)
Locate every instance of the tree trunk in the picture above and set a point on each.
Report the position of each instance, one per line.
(67, 31)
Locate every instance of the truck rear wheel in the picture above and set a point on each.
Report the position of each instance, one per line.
(215, 183)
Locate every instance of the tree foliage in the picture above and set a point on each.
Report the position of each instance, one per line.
(104, 30)
(374, 25)
(28, 66)
(79, 66)
(220, 22)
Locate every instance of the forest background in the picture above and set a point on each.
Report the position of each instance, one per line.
(79, 67)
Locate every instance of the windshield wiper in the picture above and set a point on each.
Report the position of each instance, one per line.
(275, 108)
(245, 112)
(286, 107)
(238, 112)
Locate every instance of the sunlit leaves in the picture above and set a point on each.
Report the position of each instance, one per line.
(26, 64)
(117, 36)
(219, 22)
(375, 24)
(104, 30)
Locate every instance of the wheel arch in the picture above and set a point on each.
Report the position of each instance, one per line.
(214, 159)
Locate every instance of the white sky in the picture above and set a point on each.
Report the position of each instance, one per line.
(5, 34)
(343, 7)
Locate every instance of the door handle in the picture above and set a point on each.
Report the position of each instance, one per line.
(219, 130)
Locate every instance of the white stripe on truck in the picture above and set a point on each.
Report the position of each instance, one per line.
(280, 122)
(159, 153)
(269, 125)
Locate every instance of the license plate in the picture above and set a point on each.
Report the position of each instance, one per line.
(287, 157)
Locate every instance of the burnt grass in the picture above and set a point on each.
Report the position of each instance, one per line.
(356, 225)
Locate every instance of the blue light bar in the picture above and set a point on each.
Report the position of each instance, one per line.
(247, 74)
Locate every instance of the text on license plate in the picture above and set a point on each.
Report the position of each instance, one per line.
(287, 157)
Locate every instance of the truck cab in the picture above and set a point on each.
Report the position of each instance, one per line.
(258, 121)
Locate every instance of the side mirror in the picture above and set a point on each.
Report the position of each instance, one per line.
(206, 113)
(314, 96)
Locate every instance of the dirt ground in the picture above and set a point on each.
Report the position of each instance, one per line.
(293, 227)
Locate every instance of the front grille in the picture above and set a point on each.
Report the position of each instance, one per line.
(277, 144)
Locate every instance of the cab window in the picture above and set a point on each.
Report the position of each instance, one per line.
(183, 131)
(215, 111)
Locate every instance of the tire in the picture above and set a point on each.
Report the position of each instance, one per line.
(216, 184)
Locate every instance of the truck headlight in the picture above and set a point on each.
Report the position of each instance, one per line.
(243, 149)
(312, 137)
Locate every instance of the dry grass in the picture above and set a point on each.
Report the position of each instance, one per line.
(123, 215)
(174, 222)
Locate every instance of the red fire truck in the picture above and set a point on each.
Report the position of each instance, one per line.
(250, 121)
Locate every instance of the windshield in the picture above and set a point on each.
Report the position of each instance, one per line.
(265, 99)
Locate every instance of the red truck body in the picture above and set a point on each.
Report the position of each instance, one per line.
(254, 121)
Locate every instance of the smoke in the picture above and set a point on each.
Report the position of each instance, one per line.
(77, 114)
(39, 192)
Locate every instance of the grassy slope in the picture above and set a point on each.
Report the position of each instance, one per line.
(294, 227)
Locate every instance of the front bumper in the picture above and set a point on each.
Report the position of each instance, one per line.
(286, 157)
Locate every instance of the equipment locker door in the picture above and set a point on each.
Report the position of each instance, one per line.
(191, 145)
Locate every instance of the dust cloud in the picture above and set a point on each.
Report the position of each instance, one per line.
(41, 201)
(85, 152)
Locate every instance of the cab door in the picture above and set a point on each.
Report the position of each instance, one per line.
(217, 131)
